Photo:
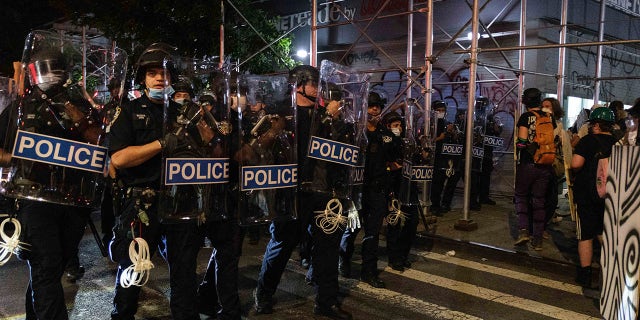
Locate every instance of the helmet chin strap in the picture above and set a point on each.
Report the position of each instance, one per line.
(304, 94)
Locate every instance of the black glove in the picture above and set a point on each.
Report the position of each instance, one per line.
(169, 143)
(532, 147)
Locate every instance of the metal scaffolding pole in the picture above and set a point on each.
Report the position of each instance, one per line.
(313, 58)
(596, 88)
(428, 68)
(465, 223)
(561, 53)
(409, 47)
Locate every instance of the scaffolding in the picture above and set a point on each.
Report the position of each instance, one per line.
(426, 88)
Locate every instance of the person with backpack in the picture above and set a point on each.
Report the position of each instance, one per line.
(536, 153)
(590, 221)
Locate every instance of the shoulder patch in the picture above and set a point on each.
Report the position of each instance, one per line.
(386, 139)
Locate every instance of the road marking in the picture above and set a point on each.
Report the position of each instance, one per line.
(491, 295)
(559, 285)
(432, 310)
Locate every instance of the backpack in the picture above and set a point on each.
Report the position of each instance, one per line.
(545, 138)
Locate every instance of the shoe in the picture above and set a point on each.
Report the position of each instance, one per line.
(536, 243)
(262, 303)
(75, 274)
(583, 276)
(523, 237)
(333, 312)
(407, 264)
(305, 263)
(556, 219)
(546, 235)
(373, 281)
(344, 269)
(474, 207)
(397, 266)
(488, 201)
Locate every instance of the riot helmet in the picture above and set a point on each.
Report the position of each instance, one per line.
(376, 99)
(482, 103)
(439, 104)
(532, 97)
(47, 71)
(183, 91)
(155, 56)
(389, 119)
(302, 74)
(602, 115)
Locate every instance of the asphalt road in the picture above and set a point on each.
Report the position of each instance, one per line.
(448, 280)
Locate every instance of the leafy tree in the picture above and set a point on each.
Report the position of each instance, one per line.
(193, 26)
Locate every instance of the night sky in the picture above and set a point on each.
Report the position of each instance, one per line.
(21, 17)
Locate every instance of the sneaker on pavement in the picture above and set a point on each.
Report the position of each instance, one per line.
(523, 237)
(536, 243)
(372, 280)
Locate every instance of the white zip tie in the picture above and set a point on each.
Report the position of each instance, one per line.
(137, 274)
(331, 218)
(8, 245)
(395, 214)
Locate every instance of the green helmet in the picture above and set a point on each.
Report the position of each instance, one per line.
(602, 115)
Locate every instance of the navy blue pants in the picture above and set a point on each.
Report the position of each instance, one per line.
(218, 291)
(54, 232)
(374, 209)
(400, 237)
(125, 301)
(285, 236)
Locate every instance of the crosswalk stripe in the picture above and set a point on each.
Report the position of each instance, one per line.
(559, 285)
(491, 295)
(415, 305)
(432, 310)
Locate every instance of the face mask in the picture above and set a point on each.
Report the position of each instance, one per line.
(180, 101)
(158, 94)
(547, 110)
(238, 104)
(396, 131)
(440, 115)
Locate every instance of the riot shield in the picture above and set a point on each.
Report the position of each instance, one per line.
(418, 152)
(56, 147)
(267, 156)
(196, 171)
(336, 143)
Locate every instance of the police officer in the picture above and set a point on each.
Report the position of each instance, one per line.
(217, 294)
(374, 204)
(443, 169)
(137, 142)
(285, 234)
(52, 230)
(401, 231)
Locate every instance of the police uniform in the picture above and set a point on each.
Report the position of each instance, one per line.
(217, 294)
(285, 234)
(136, 123)
(53, 231)
(374, 205)
(401, 235)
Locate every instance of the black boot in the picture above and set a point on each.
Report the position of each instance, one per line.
(583, 276)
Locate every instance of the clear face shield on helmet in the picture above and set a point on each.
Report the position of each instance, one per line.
(267, 156)
(62, 109)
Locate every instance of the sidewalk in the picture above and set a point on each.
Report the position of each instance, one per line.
(497, 228)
